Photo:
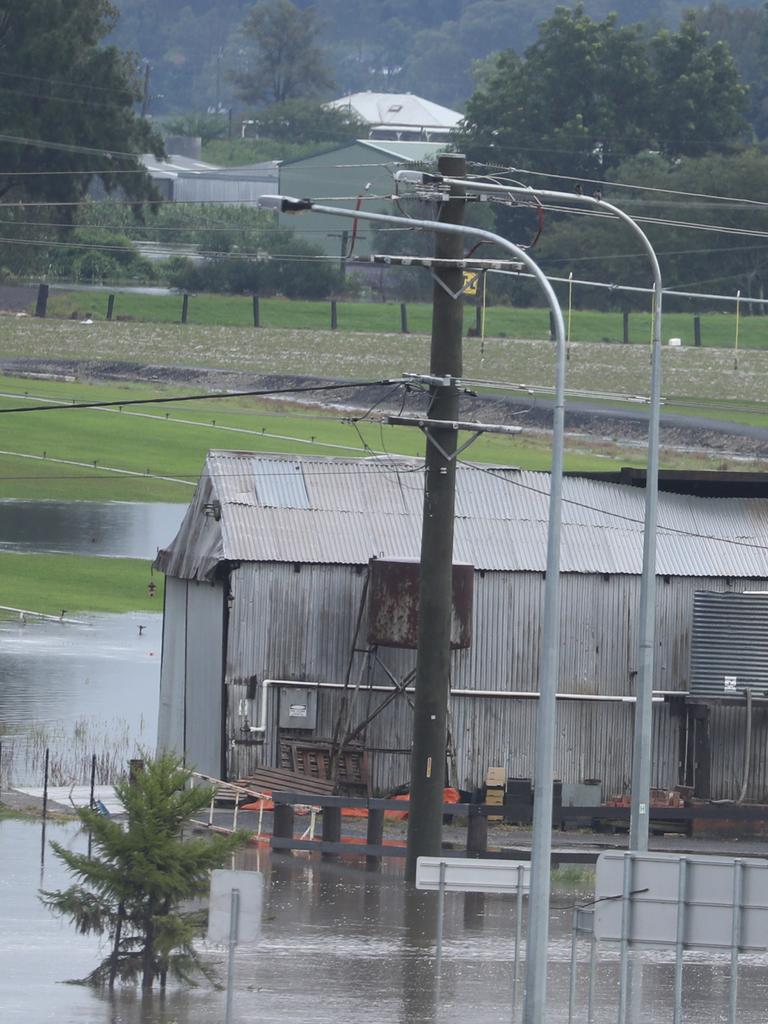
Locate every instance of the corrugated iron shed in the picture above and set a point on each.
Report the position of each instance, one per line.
(260, 508)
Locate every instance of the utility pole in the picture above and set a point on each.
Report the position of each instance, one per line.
(432, 686)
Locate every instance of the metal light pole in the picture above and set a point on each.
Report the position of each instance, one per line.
(643, 732)
(538, 932)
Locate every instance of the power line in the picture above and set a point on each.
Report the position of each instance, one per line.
(201, 397)
(601, 183)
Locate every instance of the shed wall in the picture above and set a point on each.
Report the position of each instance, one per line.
(289, 624)
(191, 692)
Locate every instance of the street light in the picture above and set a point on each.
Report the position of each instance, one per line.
(643, 732)
(549, 664)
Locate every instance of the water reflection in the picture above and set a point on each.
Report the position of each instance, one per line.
(117, 529)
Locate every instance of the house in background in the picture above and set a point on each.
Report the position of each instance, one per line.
(361, 168)
(290, 620)
(400, 116)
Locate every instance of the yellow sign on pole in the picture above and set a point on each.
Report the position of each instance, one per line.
(470, 282)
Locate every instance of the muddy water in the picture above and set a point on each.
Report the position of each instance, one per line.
(116, 529)
(339, 946)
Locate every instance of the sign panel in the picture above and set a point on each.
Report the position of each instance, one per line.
(466, 874)
(707, 892)
(250, 889)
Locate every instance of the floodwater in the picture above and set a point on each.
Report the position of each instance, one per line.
(339, 945)
(86, 687)
(116, 529)
(78, 689)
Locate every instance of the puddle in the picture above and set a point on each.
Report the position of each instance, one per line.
(113, 529)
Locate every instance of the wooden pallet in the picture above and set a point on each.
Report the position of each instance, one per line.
(312, 760)
(281, 779)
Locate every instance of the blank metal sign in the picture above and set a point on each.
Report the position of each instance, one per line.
(250, 888)
(466, 874)
(707, 897)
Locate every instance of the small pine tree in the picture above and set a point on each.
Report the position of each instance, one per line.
(141, 873)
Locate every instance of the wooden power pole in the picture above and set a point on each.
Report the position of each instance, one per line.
(432, 686)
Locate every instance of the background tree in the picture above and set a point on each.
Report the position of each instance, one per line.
(300, 121)
(699, 101)
(284, 61)
(133, 888)
(691, 260)
(745, 31)
(62, 91)
(587, 95)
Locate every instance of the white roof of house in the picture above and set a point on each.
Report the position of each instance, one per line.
(345, 511)
(399, 109)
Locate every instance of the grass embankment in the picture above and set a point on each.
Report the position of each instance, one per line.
(171, 440)
(51, 583)
(718, 329)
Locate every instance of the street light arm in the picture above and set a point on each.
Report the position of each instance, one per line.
(288, 204)
(641, 752)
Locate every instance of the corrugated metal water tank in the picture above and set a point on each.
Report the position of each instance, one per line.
(729, 646)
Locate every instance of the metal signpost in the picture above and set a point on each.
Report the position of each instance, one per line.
(236, 901)
(463, 874)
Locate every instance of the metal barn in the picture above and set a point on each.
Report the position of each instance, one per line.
(281, 648)
(361, 168)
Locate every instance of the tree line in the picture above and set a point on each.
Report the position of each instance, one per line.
(593, 101)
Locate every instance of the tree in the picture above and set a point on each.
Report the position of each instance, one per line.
(133, 888)
(691, 260)
(68, 103)
(284, 62)
(307, 121)
(587, 95)
(699, 100)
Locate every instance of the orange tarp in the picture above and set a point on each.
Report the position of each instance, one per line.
(450, 796)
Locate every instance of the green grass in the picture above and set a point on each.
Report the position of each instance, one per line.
(49, 583)
(152, 439)
(718, 329)
(72, 454)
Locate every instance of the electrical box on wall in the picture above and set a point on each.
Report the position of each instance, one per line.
(298, 707)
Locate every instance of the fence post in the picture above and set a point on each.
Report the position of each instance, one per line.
(375, 836)
(477, 831)
(551, 326)
(42, 300)
(331, 829)
(185, 308)
(45, 782)
(334, 315)
(403, 318)
(282, 823)
(625, 327)
(697, 331)
(110, 306)
(256, 312)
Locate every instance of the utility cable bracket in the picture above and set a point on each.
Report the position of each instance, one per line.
(427, 425)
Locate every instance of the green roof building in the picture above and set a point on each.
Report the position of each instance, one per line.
(365, 167)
